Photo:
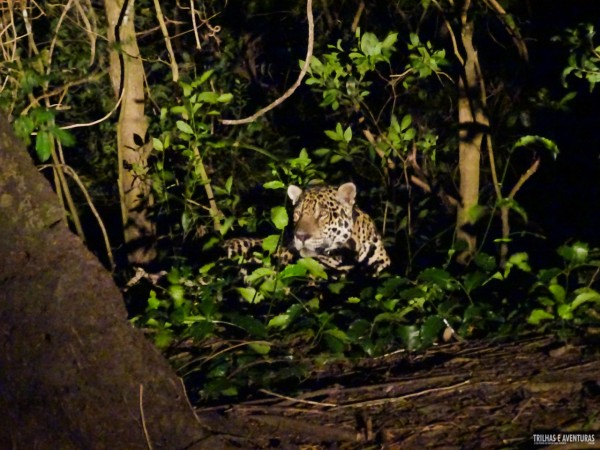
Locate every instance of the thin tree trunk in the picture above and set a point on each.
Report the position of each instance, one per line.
(127, 75)
(473, 126)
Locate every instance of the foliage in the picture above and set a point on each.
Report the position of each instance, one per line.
(584, 57)
(377, 108)
(274, 327)
(566, 293)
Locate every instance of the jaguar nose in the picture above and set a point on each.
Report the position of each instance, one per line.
(302, 236)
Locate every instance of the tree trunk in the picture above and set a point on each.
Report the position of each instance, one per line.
(74, 374)
(473, 125)
(127, 75)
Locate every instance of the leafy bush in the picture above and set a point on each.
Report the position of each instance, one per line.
(229, 334)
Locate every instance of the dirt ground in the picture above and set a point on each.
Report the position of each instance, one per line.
(465, 396)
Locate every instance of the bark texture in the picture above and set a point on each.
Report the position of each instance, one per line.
(127, 76)
(469, 395)
(74, 374)
(473, 126)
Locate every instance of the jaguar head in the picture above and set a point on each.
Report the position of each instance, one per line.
(323, 217)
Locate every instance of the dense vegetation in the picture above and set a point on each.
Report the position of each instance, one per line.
(395, 100)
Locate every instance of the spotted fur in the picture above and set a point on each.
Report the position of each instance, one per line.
(328, 227)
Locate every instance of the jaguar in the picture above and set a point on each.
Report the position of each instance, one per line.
(329, 227)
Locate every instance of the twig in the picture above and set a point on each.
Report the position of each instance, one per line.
(451, 33)
(55, 37)
(29, 29)
(296, 400)
(195, 26)
(73, 174)
(384, 401)
(165, 32)
(359, 12)
(214, 210)
(96, 122)
(290, 91)
(532, 169)
(220, 352)
(90, 27)
(57, 159)
(62, 90)
(510, 27)
(148, 441)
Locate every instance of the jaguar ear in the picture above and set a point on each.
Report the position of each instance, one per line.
(294, 193)
(347, 193)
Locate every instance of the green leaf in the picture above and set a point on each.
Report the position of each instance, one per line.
(336, 288)
(177, 293)
(225, 98)
(43, 145)
(574, 254)
(370, 45)
(276, 184)
(410, 134)
(153, 302)
(585, 295)
(485, 262)
(519, 260)
(270, 243)
(260, 272)
(538, 315)
(201, 329)
(439, 277)
(260, 348)
(314, 267)
(157, 144)
(163, 338)
(64, 136)
(334, 343)
(205, 76)
(333, 135)
(293, 271)
(359, 330)
(23, 126)
(390, 40)
(476, 212)
(280, 321)
(406, 121)
(474, 280)
(250, 294)
(430, 330)
(180, 110)
(279, 217)
(253, 326)
(208, 97)
(512, 204)
(339, 334)
(409, 334)
(184, 127)
(565, 312)
(558, 292)
(186, 221)
(548, 144)
(348, 135)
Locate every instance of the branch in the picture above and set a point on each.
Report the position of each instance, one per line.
(290, 91)
(69, 170)
(165, 32)
(513, 31)
(532, 169)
